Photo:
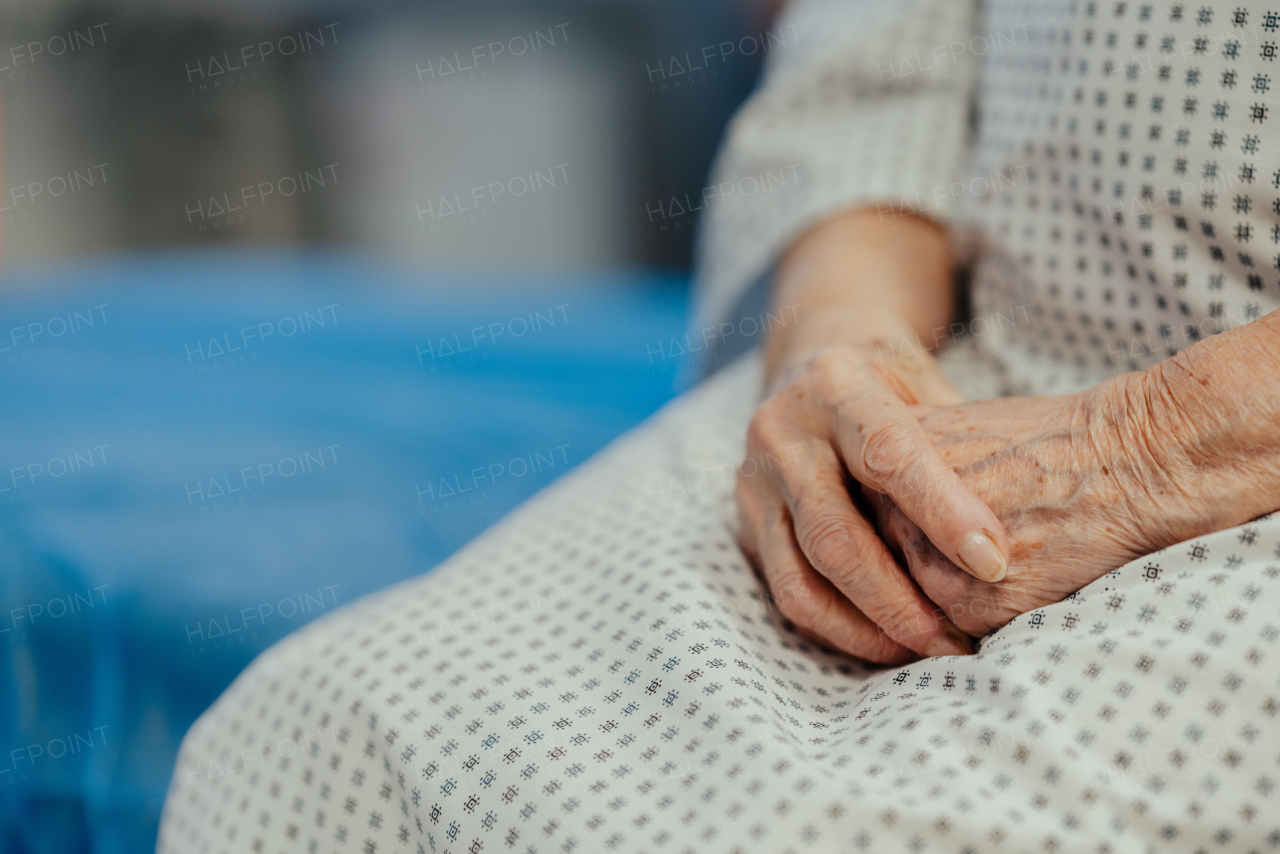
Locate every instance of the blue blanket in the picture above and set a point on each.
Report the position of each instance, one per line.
(201, 452)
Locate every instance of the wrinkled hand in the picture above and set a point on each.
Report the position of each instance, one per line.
(846, 416)
(1078, 483)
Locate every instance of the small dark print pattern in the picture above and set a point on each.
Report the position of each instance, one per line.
(1131, 151)
(602, 671)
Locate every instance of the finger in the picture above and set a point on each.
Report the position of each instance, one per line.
(881, 507)
(885, 448)
(923, 559)
(818, 610)
(969, 603)
(843, 547)
(815, 606)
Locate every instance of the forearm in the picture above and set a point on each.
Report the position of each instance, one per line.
(1214, 423)
(862, 279)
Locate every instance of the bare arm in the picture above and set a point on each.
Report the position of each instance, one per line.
(880, 282)
(863, 278)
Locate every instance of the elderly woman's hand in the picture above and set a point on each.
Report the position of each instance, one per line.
(1083, 484)
(845, 416)
(870, 291)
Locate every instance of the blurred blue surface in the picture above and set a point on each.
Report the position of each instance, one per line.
(131, 593)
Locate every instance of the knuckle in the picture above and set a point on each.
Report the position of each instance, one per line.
(856, 582)
(829, 373)
(876, 645)
(795, 601)
(839, 358)
(764, 430)
(886, 650)
(899, 618)
(886, 451)
(824, 537)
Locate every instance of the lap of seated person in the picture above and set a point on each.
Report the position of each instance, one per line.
(602, 671)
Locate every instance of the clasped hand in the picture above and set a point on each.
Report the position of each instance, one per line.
(897, 528)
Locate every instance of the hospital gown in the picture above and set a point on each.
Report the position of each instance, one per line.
(603, 672)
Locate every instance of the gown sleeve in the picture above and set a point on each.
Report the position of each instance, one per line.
(864, 102)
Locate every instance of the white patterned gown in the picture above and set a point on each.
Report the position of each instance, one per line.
(602, 671)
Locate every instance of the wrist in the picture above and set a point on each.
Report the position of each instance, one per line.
(1221, 398)
(857, 282)
(1146, 471)
(1192, 443)
(881, 335)
(914, 377)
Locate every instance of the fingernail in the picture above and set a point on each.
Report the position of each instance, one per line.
(981, 557)
(946, 645)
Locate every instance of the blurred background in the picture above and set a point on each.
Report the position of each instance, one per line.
(273, 276)
(383, 108)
